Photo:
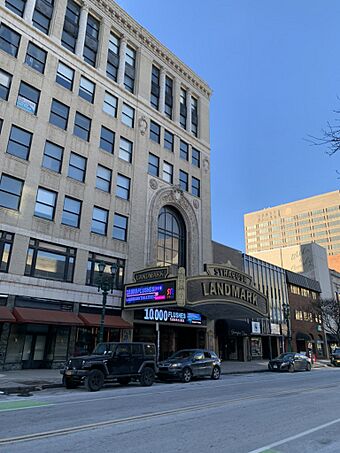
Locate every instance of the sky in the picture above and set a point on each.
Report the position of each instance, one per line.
(274, 68)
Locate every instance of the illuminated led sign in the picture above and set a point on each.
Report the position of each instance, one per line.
(172, 316)
(159, 292)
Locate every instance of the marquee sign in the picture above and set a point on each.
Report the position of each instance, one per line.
(172, 316)
(161, 292)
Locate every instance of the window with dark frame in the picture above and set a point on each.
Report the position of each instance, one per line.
(103, 178)
(10, 192)
(45, 204)
(195, 187)
(168, 97)
(110, 104)
(53, 157)
(36, 57)
(92, 273)
(99, 221)
(183, 108)
(184, 150)
(91, 40)
(123, 187)
(6, 244)
(77, 167)
(19, 142)
(82, 126)
(71, 212)
(5, 84)
(113, 57)
(86, 89)
(16, 6)
(9, 40)
(107, 140)
(168, 140)
(183, 180)
(155, 132)
(42, 15)
(125, 150)
(65, 76)
(50, 261)
(120, 225)
(28, 98)
(195, 157)
(130, 64)
(155, 87)
(194, 116)
(168, 172)
(153, 165)
(171, 241)
(59, 114)
(128, 115)
(1, 123)
(71, 26)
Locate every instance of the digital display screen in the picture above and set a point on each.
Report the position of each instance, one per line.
(158, 292)
(181, 317)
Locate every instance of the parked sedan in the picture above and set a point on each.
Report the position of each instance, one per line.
(189, 363)
(290, 361)
(335, 357)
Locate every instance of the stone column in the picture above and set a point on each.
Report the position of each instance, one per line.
(121, 68)
(82, 30)
(189, 111)
(104, 37)
(58, 21)
(162, 91)
(29, 10)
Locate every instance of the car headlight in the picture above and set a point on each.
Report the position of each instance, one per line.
(83, 362)
(175, 365)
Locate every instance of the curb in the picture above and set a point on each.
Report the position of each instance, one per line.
(24, 390)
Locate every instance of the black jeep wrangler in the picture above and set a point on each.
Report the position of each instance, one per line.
(109, 362)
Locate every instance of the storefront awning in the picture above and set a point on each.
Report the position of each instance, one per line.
(6, 315)
(93, 319)
(35, 316)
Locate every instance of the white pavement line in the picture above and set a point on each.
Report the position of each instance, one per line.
(297, 436)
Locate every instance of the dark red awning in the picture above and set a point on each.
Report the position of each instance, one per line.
(92, 319)
(6, 315)
(37, 316)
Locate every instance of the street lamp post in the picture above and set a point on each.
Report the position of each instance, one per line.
(105, 283)
(286, 314)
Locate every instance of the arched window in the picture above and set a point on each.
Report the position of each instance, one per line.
(171, 242)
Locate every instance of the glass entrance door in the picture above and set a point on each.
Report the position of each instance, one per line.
(34, 351)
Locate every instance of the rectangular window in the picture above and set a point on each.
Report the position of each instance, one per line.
(42, 15)
(195, 187)
(36, 57)
(53, 157)
(19, 143)
(93, 269)
(82, 126)
(16, 6)
(194, 116)
(86, 89)
(155, 87)
(168, 140)
(77, 167)
(110, 104)
(91, 41)
(103, 178)
(183, 109)
(107, 140)
(28, 98)
(168, 97)
(45, 203)
(195, 157)
(71, 26)
(1, 123)
(71, 212)
(183, 180)
(153, 167)
(184, 150)
(130, 63)
(9, 40)
(128, 115)
(50, 261)
(10, 192)
(65, 76)
(113, 58)
(155, 132)
(168, 171)
(125, 150)
(123, 187)
(99, 221)
(120, 224)
(5, 84)
(6, 244)
(59, 114)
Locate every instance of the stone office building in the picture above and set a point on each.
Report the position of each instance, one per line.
(104, 156)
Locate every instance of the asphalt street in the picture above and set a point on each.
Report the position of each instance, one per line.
(276, 412)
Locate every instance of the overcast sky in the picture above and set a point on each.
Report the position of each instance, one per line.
(274, 67)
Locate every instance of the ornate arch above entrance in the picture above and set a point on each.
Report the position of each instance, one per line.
(175, 198)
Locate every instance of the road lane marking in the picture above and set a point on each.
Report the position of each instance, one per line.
(297, 436)
(19, 405)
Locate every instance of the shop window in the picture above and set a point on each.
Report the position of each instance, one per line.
(171, 243)
(92, 274)
(50, 261)
(6, 244)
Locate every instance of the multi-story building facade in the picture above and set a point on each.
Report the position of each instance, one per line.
(314, 219)
(104, 157)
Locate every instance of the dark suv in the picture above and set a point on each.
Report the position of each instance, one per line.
(122, 362)
(335, 357)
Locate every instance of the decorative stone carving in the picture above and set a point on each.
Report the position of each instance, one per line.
(143, 125)
(153, 184)
(206, 165)
(196, 204)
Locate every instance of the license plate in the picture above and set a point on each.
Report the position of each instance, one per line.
(68, 373)
(274, 366)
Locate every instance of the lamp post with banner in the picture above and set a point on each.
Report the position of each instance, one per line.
(105, 283)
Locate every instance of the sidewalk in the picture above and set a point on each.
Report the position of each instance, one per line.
(24, 381)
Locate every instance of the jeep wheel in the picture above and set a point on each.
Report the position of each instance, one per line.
(94, 381)
(186, 375)
(69, 383)
(216, 373)
(147, 377)
(124, 380)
